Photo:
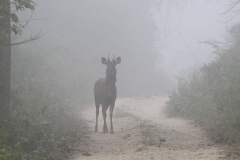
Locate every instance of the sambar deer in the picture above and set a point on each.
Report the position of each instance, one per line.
(105, 92)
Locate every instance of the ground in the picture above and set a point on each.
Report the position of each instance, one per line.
(143, 131)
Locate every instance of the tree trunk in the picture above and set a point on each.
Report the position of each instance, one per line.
(5, 68)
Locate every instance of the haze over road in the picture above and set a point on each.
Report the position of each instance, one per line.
(143, 131)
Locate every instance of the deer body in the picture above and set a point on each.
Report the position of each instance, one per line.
(105, 93)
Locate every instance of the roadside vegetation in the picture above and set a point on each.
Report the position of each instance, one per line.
(55, 75)
(211, 95)
(42, 125)
(150, 134)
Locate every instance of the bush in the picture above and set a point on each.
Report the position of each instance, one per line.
(41, 125)
(211, 96)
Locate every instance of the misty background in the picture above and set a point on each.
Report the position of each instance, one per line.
(157, 40)
(185, 51)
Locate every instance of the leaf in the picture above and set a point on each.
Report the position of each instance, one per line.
(14, 29)
(14, 17)
(19, 31)
(24, 140)
(30, 6)
(3, 150)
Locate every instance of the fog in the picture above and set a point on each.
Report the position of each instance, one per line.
(185, 26)
(169, 69)
(157, 40)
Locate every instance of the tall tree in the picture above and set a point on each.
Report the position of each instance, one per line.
(9, 23)
(5, 64)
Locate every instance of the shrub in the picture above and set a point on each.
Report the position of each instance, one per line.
(211, 95)
(41, 125)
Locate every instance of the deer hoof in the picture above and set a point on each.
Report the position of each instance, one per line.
(111, 130)
(105, 130)
(96, 129)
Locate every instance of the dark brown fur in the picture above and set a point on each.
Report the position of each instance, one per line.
(105, 93)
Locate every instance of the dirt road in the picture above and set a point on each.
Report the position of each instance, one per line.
(142, 132)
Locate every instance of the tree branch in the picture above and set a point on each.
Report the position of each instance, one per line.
(237, 14)
(26, 41)
(233, 6)
(20, 26)
(27, 21)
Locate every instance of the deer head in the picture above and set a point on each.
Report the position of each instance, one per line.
(111, 69)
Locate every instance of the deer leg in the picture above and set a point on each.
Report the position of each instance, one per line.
(110, 115)
(97, 113)
(105, 128)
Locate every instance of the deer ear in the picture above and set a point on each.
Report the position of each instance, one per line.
(118, 60)
(104, 60)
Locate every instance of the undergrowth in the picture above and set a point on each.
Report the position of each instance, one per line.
(42, 126)
(211, 95)
(150, 135)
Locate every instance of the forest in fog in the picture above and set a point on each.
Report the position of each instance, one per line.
(76, 37)
(168, 48)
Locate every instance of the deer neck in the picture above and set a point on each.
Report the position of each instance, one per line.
(110, 85)
(110, 80)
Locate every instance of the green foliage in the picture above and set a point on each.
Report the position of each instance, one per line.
(10, 152)
(41, 125)
(211, 95)
(5, 15)
(23, 4)
(14, 17)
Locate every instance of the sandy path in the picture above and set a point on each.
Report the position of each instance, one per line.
(143, 131)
